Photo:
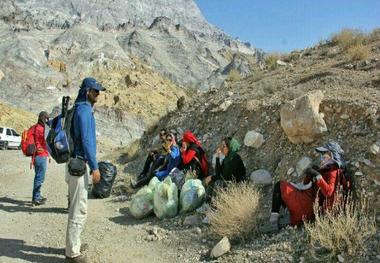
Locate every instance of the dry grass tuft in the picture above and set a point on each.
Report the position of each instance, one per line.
(348, 38)
(236, 211)
(358, 52)
(271, 61)
(341, 230)
(234, 75)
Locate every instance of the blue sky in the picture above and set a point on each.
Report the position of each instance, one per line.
(286, 25)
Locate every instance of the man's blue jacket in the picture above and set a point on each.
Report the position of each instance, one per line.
(84, 130)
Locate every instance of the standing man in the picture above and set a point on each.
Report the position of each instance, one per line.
(40, 158)
(84, 137)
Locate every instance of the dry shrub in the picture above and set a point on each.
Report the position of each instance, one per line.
(234, 75)
(348, 38)
(374, 35)
(341, 230)
(235, 212)
(358, 52)
(271, 60)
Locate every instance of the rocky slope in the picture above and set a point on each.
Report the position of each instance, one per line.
(348, 106)
(48, 47)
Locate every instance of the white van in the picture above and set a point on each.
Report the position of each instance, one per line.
(9, 138)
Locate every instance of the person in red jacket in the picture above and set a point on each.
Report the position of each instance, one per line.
(193, 156)
(40, 158)
(299, 198)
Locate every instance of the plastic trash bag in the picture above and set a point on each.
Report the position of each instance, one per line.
(165, 201)
(192, 195)
(153, 183)
(177, 177)
(108, 173)
(142, 202)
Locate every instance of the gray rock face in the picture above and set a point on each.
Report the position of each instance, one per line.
(48, 46)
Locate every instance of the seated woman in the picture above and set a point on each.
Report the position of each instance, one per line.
(173, 158)
(232, 167)
(300, 198)
(155, 160)
(193, 156)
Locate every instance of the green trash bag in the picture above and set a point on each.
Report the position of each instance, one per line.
(153, 183)
(165, 201)
(192, 195)
(142, 202)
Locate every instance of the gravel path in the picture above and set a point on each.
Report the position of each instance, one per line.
(37, 234)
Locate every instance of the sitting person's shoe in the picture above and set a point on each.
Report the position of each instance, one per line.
(79, 259)
(38, 202)
(284, 220)
(270, 228)
(84, 247)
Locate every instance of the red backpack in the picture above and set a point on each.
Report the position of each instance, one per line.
(28, 144)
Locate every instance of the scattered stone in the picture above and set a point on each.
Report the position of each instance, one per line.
(222, 107)
(340, 258)
(261, 177)
(253, 139)
(283, 63)
(375, 149)
(302, 165)
(344, 116)
(358, 173)
(301, 120)
(198, 230)
(2, 75)
(290, 171)
(192, 220)
(206, 221)
(221, 248)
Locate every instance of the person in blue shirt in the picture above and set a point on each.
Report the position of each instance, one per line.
(173, 157)
(84, 136)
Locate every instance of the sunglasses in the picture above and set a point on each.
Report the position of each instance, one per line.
(169, 139)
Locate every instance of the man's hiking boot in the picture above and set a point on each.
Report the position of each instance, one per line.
(38, 202)
(84, 247)
(79, 259)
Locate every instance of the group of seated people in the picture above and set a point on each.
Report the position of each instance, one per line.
(321, 179)
(191, 156)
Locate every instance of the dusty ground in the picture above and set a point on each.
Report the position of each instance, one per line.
(37, 234)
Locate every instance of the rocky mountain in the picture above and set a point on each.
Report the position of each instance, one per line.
(48, 47)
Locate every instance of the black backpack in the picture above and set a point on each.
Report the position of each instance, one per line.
(59, 140)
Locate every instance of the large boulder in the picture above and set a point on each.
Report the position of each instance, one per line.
(253, 139)
(301, 120)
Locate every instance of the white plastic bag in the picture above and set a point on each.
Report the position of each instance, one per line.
(165, 201)
(142, 202)
(192, 195)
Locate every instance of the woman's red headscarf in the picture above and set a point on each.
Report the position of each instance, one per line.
(190, 138)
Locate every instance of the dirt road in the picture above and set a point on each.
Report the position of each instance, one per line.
(37, 234)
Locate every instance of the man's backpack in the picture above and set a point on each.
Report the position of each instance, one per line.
(59, 140)
(28, 144)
